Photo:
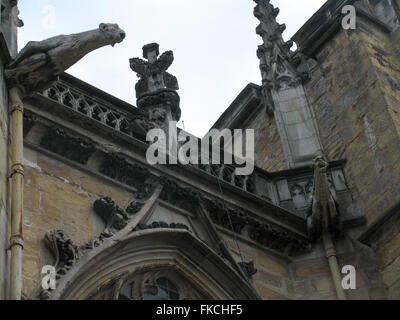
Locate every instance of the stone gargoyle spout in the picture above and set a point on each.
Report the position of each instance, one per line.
(40, 63)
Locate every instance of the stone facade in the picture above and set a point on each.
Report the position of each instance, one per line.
(327, 127)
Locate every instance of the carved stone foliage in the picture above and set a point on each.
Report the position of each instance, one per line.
(162, 225)
(248, 268)
(119, 169)
(60, 142)
(114, 217)
(181, 197)
(83, 104)
(223, 216)
(65, 252)
(144, 191)
(156, 89)
(29, 122)
(63, 249)
(134, 207)
(38, 64)
(266, 234)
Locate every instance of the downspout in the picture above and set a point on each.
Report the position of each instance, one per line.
(330, 252)
(17, 185)
(324, 221)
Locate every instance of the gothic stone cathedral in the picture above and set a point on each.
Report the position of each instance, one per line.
(325, 193)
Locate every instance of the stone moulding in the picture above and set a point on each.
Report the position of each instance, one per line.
(172, 249)
(114, 217)
(62, 143)
(265, 233)
(118, 168)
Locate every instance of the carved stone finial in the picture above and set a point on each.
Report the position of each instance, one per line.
(277, 70)
(156, 89)
(39, 64)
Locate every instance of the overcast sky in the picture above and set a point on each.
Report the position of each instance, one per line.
(214, 44)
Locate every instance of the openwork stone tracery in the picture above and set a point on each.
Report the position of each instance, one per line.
(151, 285)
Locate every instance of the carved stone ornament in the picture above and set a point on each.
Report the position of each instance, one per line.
(148, 285)
(114, 217)
(116, 167)
(63, 249)
(60, 142)
(248, 268)
(156, 89)
(162, 225)
(266, 234)
(182, 197)
(323, 214)
(39, 63)
(277, 65)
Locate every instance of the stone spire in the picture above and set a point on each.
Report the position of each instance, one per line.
(278, 68)
(156, 91)
(282, 89)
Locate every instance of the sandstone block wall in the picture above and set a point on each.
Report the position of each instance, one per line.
(58, 196)
(268, 148)
(308, 277)
(356, 105)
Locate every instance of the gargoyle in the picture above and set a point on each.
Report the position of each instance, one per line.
(40, 63)
(323, 215)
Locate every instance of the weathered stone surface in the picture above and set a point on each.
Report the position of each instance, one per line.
(39, 64)
(59, 197)
(268, 149)
(269, 294)
(391, 274)
(322, 285)
(389, 252)
(310, 268)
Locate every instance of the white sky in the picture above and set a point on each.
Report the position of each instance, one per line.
(214, 44)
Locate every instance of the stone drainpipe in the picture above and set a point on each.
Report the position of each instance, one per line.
(17, 186)
(324, 220)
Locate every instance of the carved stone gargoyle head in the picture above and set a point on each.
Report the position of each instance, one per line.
(112, 32)
(39, 63)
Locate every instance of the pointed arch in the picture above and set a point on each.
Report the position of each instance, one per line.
(164, 251)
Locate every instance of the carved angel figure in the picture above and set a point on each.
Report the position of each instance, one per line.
(153, 73)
